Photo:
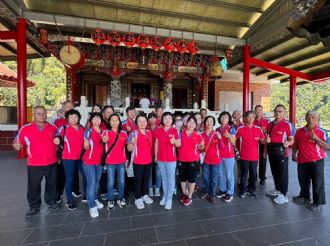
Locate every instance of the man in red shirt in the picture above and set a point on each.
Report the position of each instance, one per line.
(249, 136)
(309, 151)
(39, 136)
(262, 123)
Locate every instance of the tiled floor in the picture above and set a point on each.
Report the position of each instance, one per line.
(242, 222)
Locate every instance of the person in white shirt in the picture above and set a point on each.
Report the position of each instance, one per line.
(144, 102)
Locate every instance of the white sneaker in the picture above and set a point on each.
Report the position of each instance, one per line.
(162, 202)
(139, 203)
(93, 212)
(273, 193)
(280, 199)
(147, 199)
(151, 192)
(168, 205)
(99, 205)
(157, 192)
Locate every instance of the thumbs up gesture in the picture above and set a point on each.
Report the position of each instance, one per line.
(268, 139)
(202, 144)
(313, 135)
(172, 140)
(227, 135)
(17, 145)
(134, 140)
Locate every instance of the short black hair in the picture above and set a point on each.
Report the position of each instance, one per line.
(166, 114)
(139, 116)
(247, 113)
(106, 107)
(130, 108)
(208, 117)
(93, 115)
(152, 115)
(72, 112)
(257, 106)
(120, 123)
(96, 105)
(280, 105)
(230, 121)
(192, 118)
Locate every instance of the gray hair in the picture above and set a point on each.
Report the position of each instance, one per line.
(313, 112)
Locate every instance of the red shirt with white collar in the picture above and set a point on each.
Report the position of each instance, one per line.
(262, 123)
(117, 154)
(60, 122)
(142, 149)
(249, 138)
(131, 124)
(93, 155)
(73, 141)
(309, 150)
(189, 152)
(213, 145)
(166, 150)
(228, 149)
(41, 149)
(279, 132)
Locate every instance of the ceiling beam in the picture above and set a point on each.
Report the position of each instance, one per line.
(118, 5)
(8, 47)
(30, 56)
(230, 5)
(79, 22)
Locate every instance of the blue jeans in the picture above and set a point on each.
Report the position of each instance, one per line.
(93, 176)
(111, 170)
(69, 169)
(158, 181)
(226, 175)
(167, 173)
(210, 178)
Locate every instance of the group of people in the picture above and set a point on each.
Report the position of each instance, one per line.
(145, 152)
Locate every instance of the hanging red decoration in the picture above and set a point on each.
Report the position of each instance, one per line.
(169, 44)
(156, 43)
(192, 47)
(143, 41)
(43, 37)
(98, 36)
(181, 46)
(114, 38)
(129, 39)
(115, 72)
(228, 55)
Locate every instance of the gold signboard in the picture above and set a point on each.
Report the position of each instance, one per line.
(94, 63)
(153, 67)
(186, 69)
(132, 65)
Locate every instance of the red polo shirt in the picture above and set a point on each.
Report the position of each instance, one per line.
(262, 123)
(117, 154)
(166, 150)
(158, 121)
(249, 142)
(280, 132)
(228, 149)
(142, 149)
(131, 124)
(93, 155)
(73, 142)
(309, 150)
(213, 145)
(189, 152)
(153, 131)
(60, 122)
(41, 149)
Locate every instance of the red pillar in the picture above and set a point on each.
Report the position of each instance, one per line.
(293, 89)
(73, 81)
(246, 78)
(21, 77)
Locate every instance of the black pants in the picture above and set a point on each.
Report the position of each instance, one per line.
(251, 168)
(188, 171)
(280, 172)
(141, 179)
(60, 180)
(76, 181)
(262, 162)
(35, 176)
(104, 183)
(312, 173)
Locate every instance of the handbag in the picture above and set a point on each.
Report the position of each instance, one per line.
(202, 154)
(60, 147)
(275, 149)
(105, 154)
(130, 171)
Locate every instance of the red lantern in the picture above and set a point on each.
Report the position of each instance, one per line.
(229, 55)
(129, 39)
(43, 38)
(143, 41)
(181, 46)
(115, 72)
(114, 38)
(169, 44)
(99, 37)
(192, 47)
(156, 43)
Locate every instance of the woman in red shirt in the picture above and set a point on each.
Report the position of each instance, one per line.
(91, 162)
(73, 137)
(188, 159)
(213, 144)
(115, 140)
(140, 143)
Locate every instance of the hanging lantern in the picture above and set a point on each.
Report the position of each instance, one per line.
(156, 43)
(228, 55)
(192, 47)
(215, 67)
(98, 37)
(168, 76)
(129, 39)
(43, 37)
(181, 46)
(115, 72)
(114, 38)
(143, 41)
(169, 44)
